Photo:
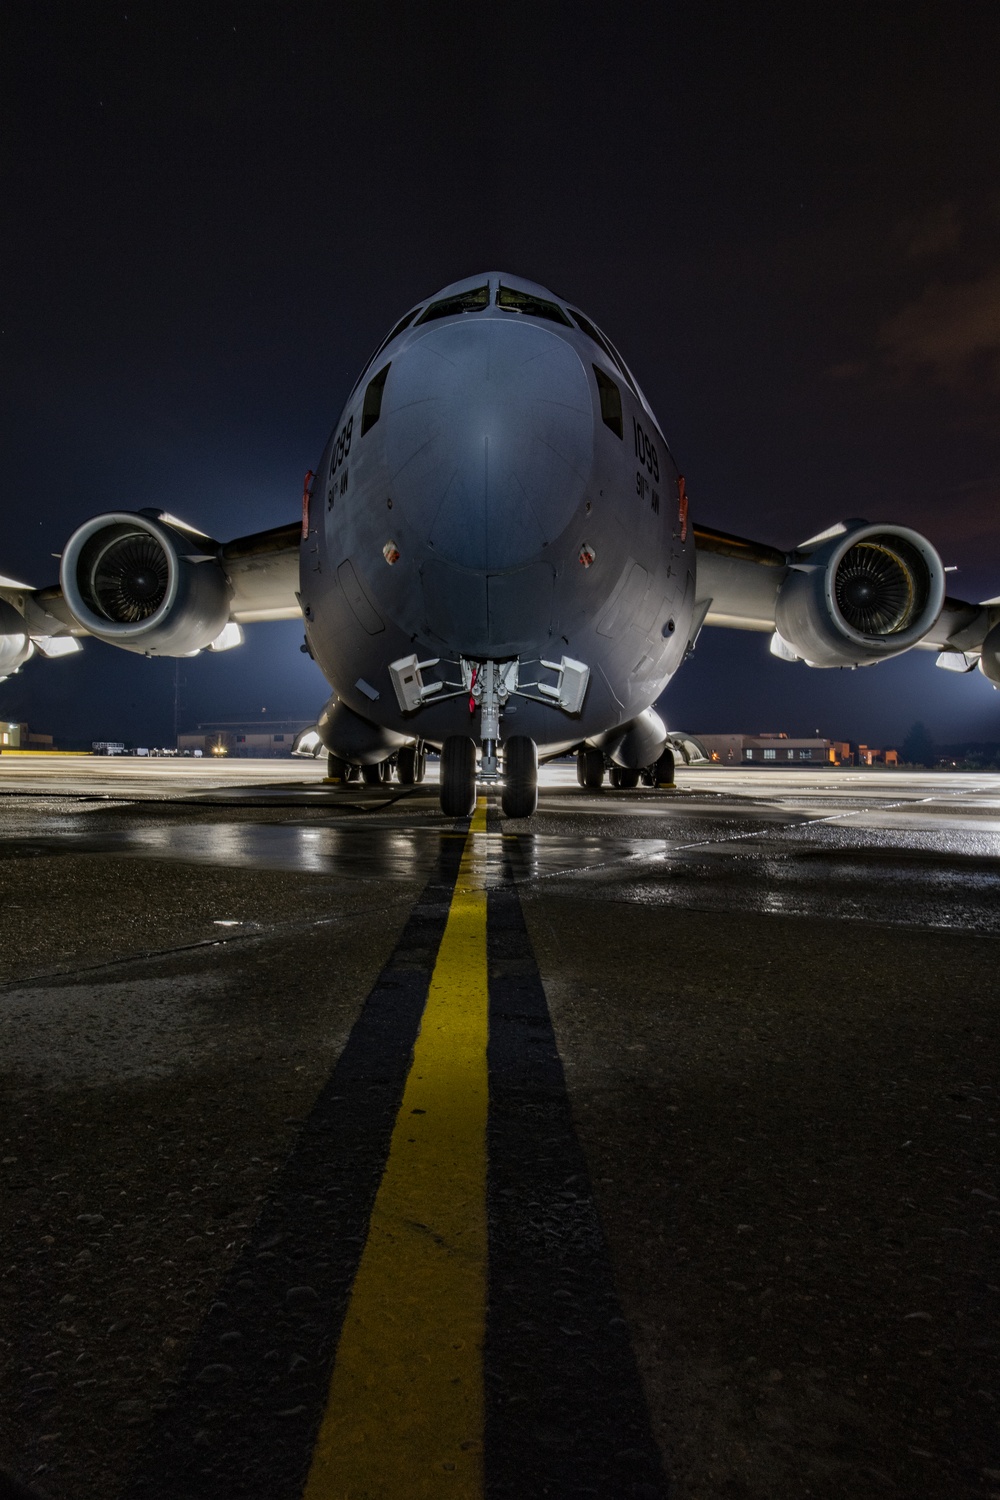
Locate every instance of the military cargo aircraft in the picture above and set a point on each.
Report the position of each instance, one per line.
(495, 559)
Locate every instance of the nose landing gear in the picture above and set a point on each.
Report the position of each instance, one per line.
(458, 776)
(489, 685)
(519, 797)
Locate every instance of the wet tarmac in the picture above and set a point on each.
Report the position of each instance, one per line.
(740, 1161)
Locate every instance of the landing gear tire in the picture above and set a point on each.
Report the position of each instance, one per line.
(590, 768)
(623, 778)
(353, 773)
(376, 775)
(663, 771)
(406, 765)
(337, 770)
(458, 776)
(520, 777)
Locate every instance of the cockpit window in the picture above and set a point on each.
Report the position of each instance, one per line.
(611, 403)
(372, 408)
(534, 307)
(605, 344)
(403, 323)
(462, 302)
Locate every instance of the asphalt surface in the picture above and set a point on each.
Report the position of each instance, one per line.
(743, 1190)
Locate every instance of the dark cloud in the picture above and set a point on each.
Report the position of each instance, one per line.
(936, 233)
(949, 334)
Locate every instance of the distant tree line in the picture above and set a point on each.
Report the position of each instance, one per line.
(918, 749)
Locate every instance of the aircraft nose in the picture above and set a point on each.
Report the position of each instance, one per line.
(491, 439)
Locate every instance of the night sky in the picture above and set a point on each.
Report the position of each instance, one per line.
(787, 216)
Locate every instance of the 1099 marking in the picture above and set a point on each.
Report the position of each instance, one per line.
(645, 451)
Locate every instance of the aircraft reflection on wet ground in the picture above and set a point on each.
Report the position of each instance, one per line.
(740, 1143)
(774, 850)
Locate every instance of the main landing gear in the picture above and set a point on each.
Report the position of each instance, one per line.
(590, 771)
(409, 764)
(340, 772)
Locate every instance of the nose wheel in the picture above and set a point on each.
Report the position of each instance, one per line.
(519, 798)
(458, 776)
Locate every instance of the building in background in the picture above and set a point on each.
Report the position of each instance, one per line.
(256, 739)
(773, 750)
(867, 756)
(20, 737)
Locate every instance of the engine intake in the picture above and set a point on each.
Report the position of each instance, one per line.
(146, 584)
(858, 595)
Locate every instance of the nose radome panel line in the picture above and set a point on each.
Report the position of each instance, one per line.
(514, 402)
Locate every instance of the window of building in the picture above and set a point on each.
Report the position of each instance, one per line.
(611, 403)
(532, 306)
(241, 739)
(372, 407)
(462, 302)
(770, 754)
(606, 345)
(748, 755)
(805, 755)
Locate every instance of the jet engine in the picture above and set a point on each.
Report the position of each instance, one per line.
(145, 583)
(858, 594)
(15, 642)
(989, 661)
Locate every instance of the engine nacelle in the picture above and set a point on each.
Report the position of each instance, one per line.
(989, 661)
(142, 583)
(15, 642)
(859, 595)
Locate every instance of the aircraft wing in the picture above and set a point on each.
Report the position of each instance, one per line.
(263, 570)
(198, 592)
(854, 595)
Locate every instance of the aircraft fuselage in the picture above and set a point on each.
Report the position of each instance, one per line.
(497, 490)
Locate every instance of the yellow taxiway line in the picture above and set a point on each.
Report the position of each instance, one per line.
(404, 1418)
